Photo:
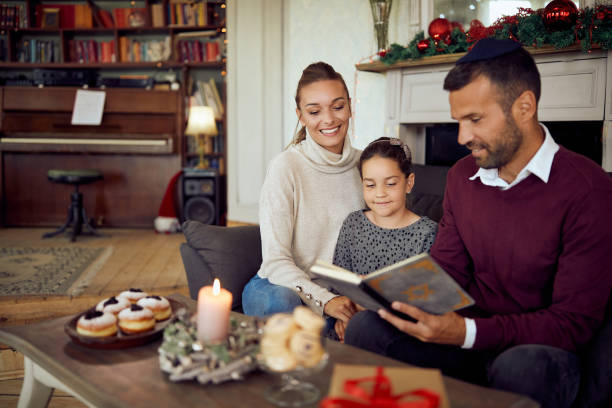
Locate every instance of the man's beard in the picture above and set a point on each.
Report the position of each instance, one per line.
(503, 149)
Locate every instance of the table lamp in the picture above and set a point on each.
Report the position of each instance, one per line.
(201, 124)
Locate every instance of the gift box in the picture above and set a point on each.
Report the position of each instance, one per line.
(357, 386)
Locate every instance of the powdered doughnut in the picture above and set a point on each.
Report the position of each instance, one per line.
(97, 324)
(136, 319)
(280, 326)
(281, 360)
(113, 305)
(133, 295)
(308, 320)
(158, 305)
(306, 347)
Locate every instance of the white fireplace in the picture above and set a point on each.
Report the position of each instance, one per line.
(576, 86)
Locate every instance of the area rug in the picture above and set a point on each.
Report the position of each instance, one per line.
(49, 270)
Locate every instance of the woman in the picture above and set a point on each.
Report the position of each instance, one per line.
(308, 191)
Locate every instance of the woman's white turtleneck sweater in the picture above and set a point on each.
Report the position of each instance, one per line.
(307, 194)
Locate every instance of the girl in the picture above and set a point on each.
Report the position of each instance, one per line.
(386, 231)
(309, 189)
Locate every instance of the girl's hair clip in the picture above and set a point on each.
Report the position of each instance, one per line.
(394, 141)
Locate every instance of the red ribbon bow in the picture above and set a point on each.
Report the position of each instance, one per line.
(381, 397)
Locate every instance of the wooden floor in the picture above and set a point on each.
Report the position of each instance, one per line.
(139, 259)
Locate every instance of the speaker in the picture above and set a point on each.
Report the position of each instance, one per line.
(203, 197)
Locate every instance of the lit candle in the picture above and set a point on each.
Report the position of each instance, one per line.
(214, 304)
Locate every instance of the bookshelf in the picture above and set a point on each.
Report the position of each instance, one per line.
(152, 44)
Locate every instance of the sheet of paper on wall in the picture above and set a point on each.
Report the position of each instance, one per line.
(88, 107)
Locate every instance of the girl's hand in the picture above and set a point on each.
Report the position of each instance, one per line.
(340, 307)
(340, 328)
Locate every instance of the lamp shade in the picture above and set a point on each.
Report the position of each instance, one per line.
(201, 121)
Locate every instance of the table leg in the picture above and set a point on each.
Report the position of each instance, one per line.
(34, 394)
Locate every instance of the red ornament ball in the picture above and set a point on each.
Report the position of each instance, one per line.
(600, 15)
(382, 53)
(422, 45)
(560, 15)
(439, 29)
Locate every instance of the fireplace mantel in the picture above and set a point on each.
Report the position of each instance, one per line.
(576, 86)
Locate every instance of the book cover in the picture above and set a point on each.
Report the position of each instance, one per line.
(418, 281)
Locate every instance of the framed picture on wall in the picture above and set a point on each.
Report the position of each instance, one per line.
(50, 18)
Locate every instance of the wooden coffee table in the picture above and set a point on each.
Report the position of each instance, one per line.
(131, 377)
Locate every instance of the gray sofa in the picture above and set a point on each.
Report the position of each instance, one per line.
(234, 255)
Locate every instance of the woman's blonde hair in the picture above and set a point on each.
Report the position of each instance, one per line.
(318, 71)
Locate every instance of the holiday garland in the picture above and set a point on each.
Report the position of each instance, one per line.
(592, 27)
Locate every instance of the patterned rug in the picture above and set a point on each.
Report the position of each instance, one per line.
(49, 270)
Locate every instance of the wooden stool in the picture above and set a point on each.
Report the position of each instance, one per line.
(76, 213)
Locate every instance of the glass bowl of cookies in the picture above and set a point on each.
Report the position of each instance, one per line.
(291, 347)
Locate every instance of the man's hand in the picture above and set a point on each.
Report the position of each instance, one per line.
(340, 307)
(448, 328)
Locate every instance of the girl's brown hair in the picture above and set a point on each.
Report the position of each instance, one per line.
(318, 71)
(388, 148)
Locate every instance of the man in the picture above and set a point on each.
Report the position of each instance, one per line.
(526, 231)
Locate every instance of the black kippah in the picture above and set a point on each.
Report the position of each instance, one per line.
(489, 48)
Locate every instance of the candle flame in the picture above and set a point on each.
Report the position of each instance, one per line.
(216, 287)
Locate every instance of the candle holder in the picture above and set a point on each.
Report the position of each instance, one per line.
(381, 9)
(184, 357)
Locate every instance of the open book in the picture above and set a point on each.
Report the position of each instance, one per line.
(418, 281)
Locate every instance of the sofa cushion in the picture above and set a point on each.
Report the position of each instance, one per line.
(231, 254)
(428, 192)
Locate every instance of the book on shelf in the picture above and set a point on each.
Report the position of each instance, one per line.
(91, 51)
(212, 51)
(157, 15)
(217, 97)
(186, 13)
(82, 16)
(140, 50)
(38, 50)
(13, 16)
(106, 18)
(208, 97)
(418, 281)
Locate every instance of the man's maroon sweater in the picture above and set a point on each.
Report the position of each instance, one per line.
(537, 258)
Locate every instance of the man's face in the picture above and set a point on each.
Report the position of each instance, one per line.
(490, 133)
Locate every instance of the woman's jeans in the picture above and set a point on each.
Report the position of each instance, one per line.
(262, 298)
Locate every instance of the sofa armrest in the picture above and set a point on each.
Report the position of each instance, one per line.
(198, 272)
